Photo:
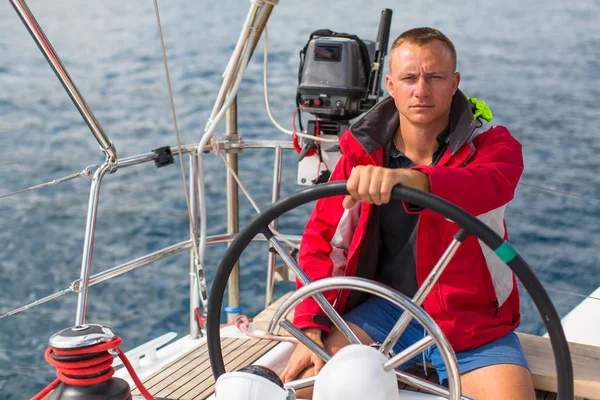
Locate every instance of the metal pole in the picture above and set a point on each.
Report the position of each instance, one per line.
(274, 197)
(130, 266)
(194, 290)
(232, 210)
(259, 26)
(88, 244)
(63, 76)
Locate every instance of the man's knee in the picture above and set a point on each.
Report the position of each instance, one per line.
(335, 340)
(500, 381)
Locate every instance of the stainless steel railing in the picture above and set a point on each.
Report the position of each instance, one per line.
(63, 76)
(93, 204)
(232, 145)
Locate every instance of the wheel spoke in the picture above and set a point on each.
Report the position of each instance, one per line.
(301, 383)
(305, 340)
(408, 353)
(423, 291)
(427, 386)
(287, 258)
(333, 315)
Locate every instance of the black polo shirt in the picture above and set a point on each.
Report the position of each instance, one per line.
(397, 230)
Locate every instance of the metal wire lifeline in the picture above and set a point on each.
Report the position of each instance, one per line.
(199, 269)
(87, 172)
(580, 196)
(176, 126)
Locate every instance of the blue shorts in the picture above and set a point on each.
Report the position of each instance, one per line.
(377, 317)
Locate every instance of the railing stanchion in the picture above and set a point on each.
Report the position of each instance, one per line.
(194, 289)
(233, 228)
(274, 197)
(88, 243)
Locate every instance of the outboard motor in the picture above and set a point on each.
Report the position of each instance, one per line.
(334, 74)
(254, 382)
(339, 78)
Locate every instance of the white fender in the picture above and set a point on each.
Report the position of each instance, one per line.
(245, 386)
(356, 373)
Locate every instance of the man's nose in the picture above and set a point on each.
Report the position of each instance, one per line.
(422, 88)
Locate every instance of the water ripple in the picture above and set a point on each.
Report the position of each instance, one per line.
(540, 81)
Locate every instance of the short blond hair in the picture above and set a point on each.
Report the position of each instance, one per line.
(421, 37)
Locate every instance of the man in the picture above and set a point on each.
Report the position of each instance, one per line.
(423, 136)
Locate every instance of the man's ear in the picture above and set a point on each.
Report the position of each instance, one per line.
(456, 81)
(389, 85)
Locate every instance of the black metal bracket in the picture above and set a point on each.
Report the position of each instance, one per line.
(163, 156)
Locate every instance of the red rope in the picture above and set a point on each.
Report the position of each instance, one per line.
(199, 318)
(136, 379)
(73, 372)
(297, 147)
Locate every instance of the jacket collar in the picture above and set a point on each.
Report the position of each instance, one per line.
(375, 129)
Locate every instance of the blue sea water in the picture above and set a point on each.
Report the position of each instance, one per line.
(536, 63)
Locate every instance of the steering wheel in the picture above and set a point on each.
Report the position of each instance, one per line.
(468, 225)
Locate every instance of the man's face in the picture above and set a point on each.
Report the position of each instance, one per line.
(422, 81)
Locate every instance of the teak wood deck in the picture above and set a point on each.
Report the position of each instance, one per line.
(190, 377)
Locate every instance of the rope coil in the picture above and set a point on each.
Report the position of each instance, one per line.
(90, 371)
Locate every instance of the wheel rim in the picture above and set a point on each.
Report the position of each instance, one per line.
(469, 223)
(389, 294)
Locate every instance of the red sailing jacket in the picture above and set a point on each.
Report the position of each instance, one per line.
(476, 299)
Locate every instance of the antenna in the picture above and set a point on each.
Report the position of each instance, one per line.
(381, 45)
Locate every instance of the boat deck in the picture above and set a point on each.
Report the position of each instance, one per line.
(190, 377)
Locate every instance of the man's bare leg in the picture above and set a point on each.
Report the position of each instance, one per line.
(495, 382)
(501, 381)
(333, 343)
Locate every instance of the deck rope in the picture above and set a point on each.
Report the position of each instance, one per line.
(242, 322)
